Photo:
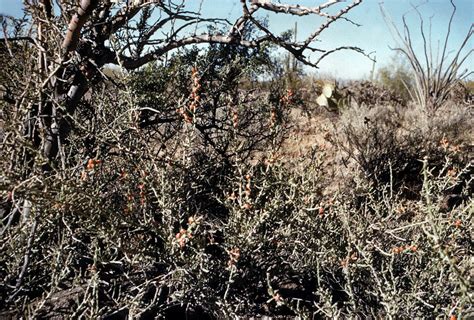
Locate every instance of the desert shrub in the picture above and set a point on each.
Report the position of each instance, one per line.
(469, 84)
(336, 98)
(133, 174)
(397, 77)
(147, 246)
(369, 94)
(155, 221)
(293, 251)
(135, 230)
(399, 248)
(156, 212)
(231, 121)
(387, 143)
(462, 94)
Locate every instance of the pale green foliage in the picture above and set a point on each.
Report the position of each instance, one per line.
(397, 76)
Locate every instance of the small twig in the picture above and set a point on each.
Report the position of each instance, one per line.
(26, 261)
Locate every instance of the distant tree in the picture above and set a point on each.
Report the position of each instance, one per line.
(397, 76)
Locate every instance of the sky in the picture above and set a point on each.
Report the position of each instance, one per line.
(373, 36)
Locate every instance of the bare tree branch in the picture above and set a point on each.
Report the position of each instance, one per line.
(124, 33)
(77, 22)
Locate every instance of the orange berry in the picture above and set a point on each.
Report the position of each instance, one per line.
(397, 250)
(90, 164)
(321, 211)
(247, 206)
(444, 142)
(344, 262)
(277, 297)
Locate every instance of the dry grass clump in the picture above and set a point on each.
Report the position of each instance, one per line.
(388, 143)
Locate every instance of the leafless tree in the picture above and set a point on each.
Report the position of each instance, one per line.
(73, 41)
